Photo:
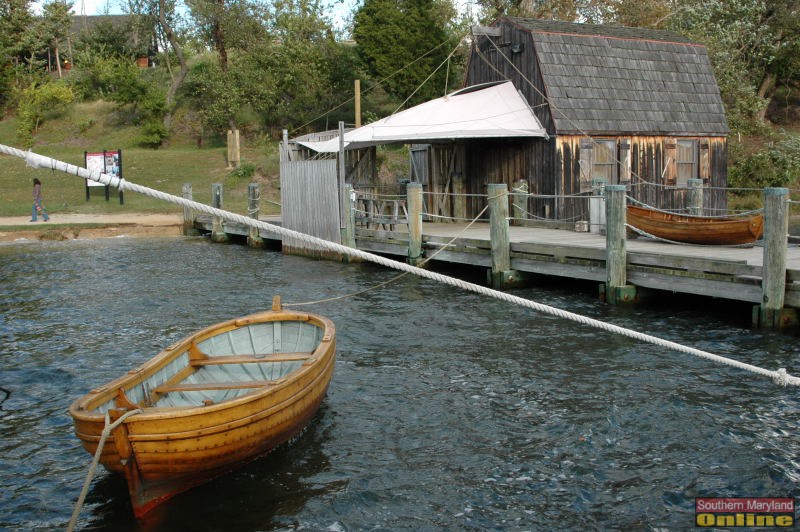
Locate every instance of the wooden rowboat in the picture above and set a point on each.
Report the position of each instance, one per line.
(221, 397)
(697, 229)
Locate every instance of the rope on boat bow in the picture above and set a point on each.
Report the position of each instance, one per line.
(779, 376)
(93, 468)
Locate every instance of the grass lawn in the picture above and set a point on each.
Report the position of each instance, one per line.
(91, 127)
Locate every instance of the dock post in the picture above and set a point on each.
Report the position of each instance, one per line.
(217, 231)
(597, 208)
(694, 197)
(770, 314)
(501, 275)
(519, 202)
(616, 290)
(414, 203)
(349, 229)
(254, 239)
(188, 213)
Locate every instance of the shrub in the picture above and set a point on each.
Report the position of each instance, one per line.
(37, 102)
(243, 171)
(776, 166)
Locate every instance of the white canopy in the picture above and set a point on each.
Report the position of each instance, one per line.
(490, 110)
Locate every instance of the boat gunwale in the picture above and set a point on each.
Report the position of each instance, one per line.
(239, 422)
(81, 412)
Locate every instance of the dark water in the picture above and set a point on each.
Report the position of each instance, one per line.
(447, 410)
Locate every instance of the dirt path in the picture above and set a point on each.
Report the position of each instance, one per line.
(66, 226)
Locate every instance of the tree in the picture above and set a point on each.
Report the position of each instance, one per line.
(226, 26)
(753, 44)
(403, 42)
(166, 22)
(57, 21)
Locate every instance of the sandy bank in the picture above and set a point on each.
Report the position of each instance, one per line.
(67, 226)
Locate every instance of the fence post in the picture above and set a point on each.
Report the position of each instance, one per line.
(414, 202)
(597, 208)
(616, 290)
(520, 202)
(694, 197)
(254, 239)
(771, 314)
(188, 212)
(217, 229)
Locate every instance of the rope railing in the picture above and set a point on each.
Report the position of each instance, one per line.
(779, 376)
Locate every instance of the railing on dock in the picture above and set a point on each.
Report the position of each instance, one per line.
(387, 222)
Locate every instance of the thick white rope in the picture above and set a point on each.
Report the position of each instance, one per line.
(780, 376)
(90, 475)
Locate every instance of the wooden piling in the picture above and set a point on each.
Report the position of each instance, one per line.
(414, 204)
(616, 289)
(694, 197)
(188, 212)
(342, 175)
(459, 199)
(254, 239)
(771, 314)
(357, 90)
(217, 229)
(501, 275)
(234, 151)
(349, 230)
(519, 202)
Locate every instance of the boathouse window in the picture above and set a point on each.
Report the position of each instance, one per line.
(686, 160)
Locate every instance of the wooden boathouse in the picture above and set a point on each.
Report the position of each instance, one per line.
(629, 106)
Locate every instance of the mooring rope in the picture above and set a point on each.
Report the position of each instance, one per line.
(96, 460)
(779, 376)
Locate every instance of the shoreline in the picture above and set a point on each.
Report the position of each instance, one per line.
(69, 227)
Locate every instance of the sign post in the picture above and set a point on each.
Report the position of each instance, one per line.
(107, 162)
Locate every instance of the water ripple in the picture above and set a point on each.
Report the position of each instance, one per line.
(447, 410)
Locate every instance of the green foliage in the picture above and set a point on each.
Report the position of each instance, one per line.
(150, 117)
(753, 44)
(118, 79)
(37, 103)
(245, 171)
(776, 166)
(403, 43)
(98, 74)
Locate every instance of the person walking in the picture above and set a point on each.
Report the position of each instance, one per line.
(38, 206)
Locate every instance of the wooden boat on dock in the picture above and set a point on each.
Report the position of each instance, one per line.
(225, 395)
(707, 230)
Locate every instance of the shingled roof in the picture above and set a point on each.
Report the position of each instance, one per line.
(611, 79)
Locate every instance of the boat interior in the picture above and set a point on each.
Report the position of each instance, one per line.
(227, 365)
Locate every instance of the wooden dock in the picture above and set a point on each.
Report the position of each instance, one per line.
(715, 271)
(766, 274)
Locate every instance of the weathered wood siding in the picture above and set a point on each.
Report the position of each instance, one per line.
(648, 169)
(310, 203)
(506, 161)
(554, 167)
(522, 68)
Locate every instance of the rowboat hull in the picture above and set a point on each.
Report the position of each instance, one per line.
(696, 229)
(192, 426)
